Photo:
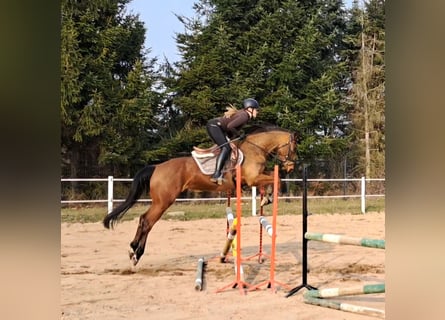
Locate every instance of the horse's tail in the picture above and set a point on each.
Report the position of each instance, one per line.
(141, 184)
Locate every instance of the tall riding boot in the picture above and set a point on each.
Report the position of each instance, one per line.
(222, 157)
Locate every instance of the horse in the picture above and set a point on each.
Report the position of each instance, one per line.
(165, 181)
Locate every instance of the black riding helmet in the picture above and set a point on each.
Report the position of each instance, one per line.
(251, 103)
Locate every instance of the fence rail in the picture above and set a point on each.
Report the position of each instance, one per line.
(111, 180)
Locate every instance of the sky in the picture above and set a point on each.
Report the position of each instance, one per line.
(161, 24)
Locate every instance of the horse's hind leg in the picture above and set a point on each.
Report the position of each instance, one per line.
(146, 223)
(143, 228)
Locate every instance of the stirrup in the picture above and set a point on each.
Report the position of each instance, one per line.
(218, 180)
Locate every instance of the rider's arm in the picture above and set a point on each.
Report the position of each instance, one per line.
(236, 122)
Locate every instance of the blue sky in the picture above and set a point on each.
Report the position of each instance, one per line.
(162, 24)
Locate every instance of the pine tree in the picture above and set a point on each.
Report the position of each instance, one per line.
(108, 104)
(286, 54)
(368, 88)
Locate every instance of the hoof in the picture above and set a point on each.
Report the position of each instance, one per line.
(265, 201)
(133, 257)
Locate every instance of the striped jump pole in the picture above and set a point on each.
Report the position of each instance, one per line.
(266, 225)
(341, 239)
(199, 274)
(345, 306)
(316, 297)
(229, 215)
(231, 243)
(231, 233)
(228, 210)
(337, 292)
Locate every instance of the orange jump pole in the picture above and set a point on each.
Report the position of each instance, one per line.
(271, 282)
(241, 284)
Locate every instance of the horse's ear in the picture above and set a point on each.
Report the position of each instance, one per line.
(296, 137)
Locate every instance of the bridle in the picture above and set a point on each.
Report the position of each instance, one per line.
(290, 151)
(284, 160)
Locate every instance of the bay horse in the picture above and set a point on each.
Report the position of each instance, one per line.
(165, 181)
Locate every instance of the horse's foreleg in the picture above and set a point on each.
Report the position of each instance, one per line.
(268, 196)
(265, 180)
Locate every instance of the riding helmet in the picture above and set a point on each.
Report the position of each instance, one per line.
(251, 103)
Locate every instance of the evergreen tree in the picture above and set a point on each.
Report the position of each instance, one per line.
(367, 94)
(108, 102)
(286, 54)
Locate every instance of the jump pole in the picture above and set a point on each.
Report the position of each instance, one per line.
(350, 291)
(266, 225)
(341, 239)
(316, 297)
(271, 282)
(238, 281)
(199, 274)
(229, 195)
(231, 233)
(304, 241)
(345, 306)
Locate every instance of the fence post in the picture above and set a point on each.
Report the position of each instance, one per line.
(363, 195)
(110, 194)
(253, 201)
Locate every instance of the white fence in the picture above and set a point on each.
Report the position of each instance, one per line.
(111, 180)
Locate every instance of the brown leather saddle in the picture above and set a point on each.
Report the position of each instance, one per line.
(205, 158)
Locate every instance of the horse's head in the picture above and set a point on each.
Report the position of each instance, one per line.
(274, 141)
(286, 150)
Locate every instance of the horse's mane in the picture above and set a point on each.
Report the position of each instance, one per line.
(264, 127)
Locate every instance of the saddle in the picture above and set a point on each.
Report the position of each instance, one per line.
(213, 150)
(205, 158)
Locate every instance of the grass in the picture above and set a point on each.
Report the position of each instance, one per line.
(209, 210)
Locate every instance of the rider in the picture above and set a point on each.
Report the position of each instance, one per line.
(228, 127)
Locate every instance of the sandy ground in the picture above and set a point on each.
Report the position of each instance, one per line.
(98, 281)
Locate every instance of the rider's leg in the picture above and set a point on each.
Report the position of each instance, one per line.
(218, 136)
(222, 158)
